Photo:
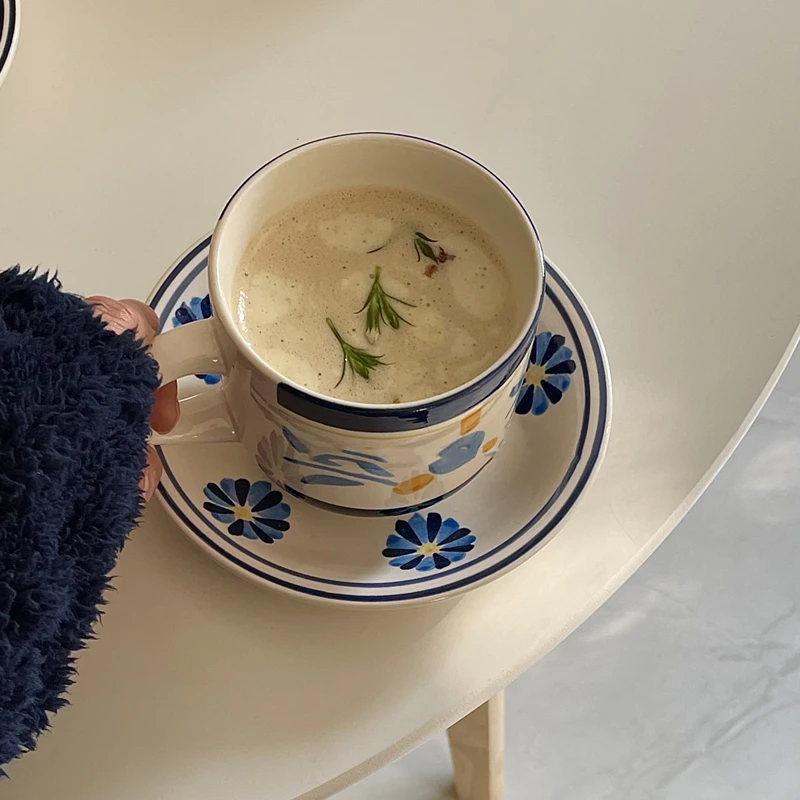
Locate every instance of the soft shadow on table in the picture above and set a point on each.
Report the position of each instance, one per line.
(179, 634)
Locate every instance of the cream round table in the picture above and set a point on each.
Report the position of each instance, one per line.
(655, 146)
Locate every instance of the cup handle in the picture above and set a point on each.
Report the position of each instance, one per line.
(188, 350)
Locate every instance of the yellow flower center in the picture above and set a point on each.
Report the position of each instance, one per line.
(243, 512)
(535, 374)
(428, 549)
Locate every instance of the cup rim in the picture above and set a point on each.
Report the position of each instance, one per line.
(223, 313)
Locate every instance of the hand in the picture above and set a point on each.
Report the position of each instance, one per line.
(123, 315)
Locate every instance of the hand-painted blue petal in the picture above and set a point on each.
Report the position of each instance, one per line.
(540, 346)
(196, 305)
(215, 510)
(266, 535)
(417, 522)
(407, 563)
(405, 531)
(517, 385)
(524, 400)
(426, 565)
(449, 526)
(561, 382)
(458, 548)
(456, 556)
(562, 354)
(229, 487)
(219, 516)
(259, 492)
(280, 511)
(248, 532)
(563, 368)
(330, 480)
(552, 347)
(241, 490)
(294, 441)
(183, 315)
(440, 561)
(395, 541)
(540, 402)
(433, 524)
(554, 394)
(273, 524)
(396, 552)
(236, 528)
(217, 494)
(456, 536)
(205, 307)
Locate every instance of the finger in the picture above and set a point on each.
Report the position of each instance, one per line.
(147, 313)
(120, 316)
(151, 474)
(165, 409)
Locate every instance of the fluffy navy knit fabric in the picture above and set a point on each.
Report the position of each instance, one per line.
(74, 405)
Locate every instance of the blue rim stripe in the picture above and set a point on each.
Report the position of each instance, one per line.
(587, 472)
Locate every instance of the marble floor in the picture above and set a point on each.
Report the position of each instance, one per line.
(685, 685)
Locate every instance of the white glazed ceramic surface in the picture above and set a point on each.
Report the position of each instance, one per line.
(9, 31)
(351, 455)
(234, 509)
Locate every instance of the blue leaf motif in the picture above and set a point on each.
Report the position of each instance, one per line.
(330, 480)
(458, 453)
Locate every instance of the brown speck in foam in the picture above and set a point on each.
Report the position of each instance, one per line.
(396, 400)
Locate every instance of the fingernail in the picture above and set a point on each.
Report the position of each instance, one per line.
(148, 483)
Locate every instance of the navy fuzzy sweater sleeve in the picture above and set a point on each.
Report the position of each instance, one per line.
(74, 405)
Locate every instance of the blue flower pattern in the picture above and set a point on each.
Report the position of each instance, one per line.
(253, 510)
(197, 308)
(548, 376)
(457, 453)
(426, 543)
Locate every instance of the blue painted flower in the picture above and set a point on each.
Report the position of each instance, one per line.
(548, 375)
(458, 453)
(198, 308)
(427, 543)
(254, 511)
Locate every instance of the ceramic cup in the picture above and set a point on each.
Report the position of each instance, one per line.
(383, 458)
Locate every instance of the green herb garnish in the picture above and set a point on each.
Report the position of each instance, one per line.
(422, 244)
(379, 308)
(360, 361)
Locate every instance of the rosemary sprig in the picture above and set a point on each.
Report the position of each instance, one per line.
(422, 244)
(360, 361)
(379, 308)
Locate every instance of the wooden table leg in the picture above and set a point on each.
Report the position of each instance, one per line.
(476, 747)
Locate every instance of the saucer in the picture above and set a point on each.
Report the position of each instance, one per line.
(224, 502)
(9, 30)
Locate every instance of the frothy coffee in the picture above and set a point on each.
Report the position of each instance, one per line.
(319, 273)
